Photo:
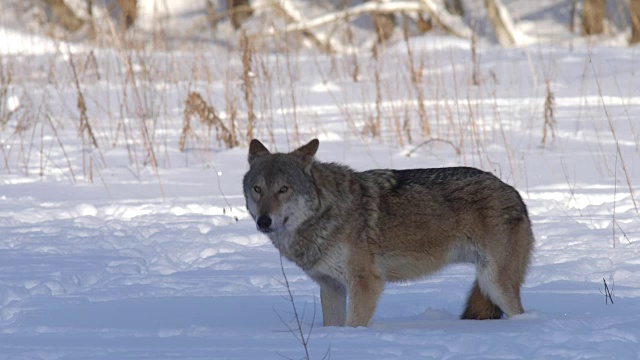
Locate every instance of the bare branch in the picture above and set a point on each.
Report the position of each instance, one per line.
(615, 137)
(355, 11)
(607, 292)
(293, 15)
(303, 340)
(456, 148)
(452, 24)
(503, 24)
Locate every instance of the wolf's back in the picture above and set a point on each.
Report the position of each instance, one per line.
(460, 188)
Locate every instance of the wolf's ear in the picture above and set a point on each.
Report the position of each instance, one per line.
(306, 154)
(256, 149)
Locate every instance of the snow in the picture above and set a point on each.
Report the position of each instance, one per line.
(14, 43)
(104, 257)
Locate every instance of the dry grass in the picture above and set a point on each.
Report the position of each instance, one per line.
(408, 96)
(247, 75)
(549, 124)
(619, 155)
(416, 71)
(6, 80)
(209, 117)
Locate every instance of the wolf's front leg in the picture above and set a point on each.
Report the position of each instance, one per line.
(333, 297)
(364, 291)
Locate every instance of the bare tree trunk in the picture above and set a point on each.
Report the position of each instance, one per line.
(635, 21)
(593, 13)
(240, 11)
(62, 15)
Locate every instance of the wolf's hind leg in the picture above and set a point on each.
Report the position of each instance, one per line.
(479, 306)
(509, 286)
(364, 291)
(333, 297)
(501, 286)
(500, 277)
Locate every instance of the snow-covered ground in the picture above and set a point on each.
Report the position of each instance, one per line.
(104, 256)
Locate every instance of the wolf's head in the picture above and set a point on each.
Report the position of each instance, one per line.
(279, 188)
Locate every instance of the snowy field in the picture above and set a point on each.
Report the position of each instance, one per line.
(136, 250)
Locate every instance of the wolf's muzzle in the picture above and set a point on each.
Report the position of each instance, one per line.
(264, 223)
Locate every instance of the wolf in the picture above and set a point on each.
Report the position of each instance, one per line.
(351, 232)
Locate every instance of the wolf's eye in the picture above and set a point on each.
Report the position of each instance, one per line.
(257, 189)
(283, 189)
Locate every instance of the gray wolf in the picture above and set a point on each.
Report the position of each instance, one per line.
(351, 232)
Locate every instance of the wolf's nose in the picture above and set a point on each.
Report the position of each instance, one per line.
(264, 222)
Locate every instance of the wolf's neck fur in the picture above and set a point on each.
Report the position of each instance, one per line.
(344, 196)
